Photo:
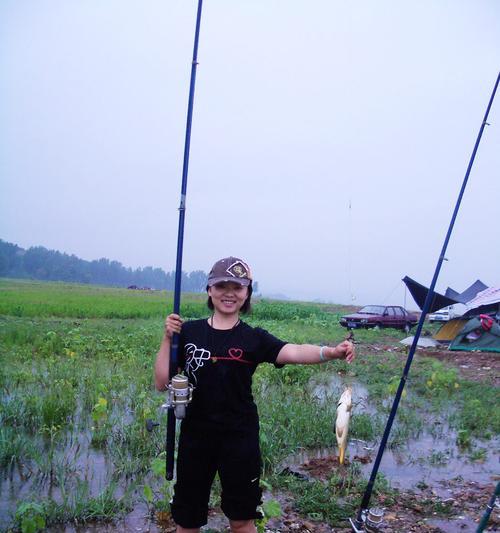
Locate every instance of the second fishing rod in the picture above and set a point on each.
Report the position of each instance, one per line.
(363, 518)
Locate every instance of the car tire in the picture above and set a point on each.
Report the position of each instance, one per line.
(378, 326)
(407, 327)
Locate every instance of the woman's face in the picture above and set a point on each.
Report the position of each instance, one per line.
(228, 297)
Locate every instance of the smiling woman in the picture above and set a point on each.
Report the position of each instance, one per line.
(220, 432)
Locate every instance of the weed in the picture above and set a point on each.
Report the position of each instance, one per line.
(439, 458)
(363, 426)
(30, 517)
(158, 498)
(270, 509)
(15, 447)
(464, 438)
(478, 455)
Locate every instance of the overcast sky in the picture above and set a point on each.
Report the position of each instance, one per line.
(329, 142)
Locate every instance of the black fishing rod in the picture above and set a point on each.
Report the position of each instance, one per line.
(171, 416)
(363, 516)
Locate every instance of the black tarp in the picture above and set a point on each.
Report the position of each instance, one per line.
(419, 293)
(450, 297)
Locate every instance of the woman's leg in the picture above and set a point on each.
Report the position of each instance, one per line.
(239, 472)
(196, 468)
(242, 526)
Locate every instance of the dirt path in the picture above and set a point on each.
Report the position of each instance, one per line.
(483, 367)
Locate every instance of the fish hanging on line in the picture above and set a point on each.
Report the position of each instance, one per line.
(342, 423)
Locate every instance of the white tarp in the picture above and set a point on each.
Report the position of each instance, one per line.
(424, 342)
(489, 296)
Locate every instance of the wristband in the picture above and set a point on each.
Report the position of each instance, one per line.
(322, 357)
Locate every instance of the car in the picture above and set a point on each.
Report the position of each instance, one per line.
(445, 314)
(382, 316)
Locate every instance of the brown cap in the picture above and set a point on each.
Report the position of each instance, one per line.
(230, 269)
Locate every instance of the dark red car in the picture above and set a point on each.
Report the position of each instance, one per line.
(383, 316)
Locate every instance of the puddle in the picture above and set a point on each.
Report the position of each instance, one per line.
(326, 390)
(452, 526)
(426, 460)
(74, 458)
(137, 520)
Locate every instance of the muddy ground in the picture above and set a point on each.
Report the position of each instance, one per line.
(423, 510)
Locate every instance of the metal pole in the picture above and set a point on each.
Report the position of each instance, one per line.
(170, 442)
(358, 521)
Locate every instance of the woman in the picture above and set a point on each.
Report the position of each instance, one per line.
(220, 433)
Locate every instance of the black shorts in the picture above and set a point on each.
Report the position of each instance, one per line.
(235, 456)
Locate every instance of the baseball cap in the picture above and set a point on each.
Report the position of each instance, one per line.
(230, 269)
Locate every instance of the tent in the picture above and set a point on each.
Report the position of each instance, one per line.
(449, 330)
(466, 332)
(475, 336)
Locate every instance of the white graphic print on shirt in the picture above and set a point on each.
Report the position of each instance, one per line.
(195, 359)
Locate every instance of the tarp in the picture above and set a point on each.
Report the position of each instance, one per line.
(451, 297)
(487, 301)
(474, 337)
(449, 330)
(472, 291)
(419, 293)
(424, 342)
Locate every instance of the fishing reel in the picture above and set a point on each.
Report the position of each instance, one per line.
(371, 521)
(179, 395)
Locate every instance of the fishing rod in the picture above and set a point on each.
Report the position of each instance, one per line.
(179, 391)
(372, 518)
(486, 516)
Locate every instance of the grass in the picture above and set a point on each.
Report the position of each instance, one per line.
(76, 390)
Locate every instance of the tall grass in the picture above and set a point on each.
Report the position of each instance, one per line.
(76, 389)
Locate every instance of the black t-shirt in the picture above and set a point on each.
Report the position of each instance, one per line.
(220, 365)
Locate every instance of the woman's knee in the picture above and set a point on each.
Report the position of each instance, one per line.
(242, 526)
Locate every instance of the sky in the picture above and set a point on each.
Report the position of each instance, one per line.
(329, 139)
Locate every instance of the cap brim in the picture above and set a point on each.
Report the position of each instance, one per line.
(242, 281)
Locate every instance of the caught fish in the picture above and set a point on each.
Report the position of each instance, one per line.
(342, 423)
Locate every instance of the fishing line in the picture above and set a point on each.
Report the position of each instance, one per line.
(363, 515)
(349, 253)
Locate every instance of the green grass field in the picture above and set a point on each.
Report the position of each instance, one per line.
(76, 390)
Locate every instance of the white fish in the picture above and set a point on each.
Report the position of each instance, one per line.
(342, 423)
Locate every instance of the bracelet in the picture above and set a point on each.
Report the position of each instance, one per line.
(322, 357)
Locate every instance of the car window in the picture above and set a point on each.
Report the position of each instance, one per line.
(372, 310)
(398, 311)
(390, 311)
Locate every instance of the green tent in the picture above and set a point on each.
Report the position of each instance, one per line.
(474, 337)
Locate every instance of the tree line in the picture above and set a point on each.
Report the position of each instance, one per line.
(40, 263)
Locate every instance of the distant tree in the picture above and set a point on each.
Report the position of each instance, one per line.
(39, 263)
